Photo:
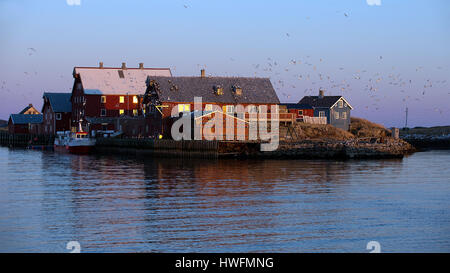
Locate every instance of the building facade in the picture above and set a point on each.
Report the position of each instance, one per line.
(24, 124)
(56, 112)
(336, 109)
(104, 93)
(167, 98)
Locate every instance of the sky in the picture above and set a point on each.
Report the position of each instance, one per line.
(381, 55)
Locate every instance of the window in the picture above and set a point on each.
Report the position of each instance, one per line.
(230, 109)
(58, 116)
(184, 108)
(336, 115)
(103, 99)
(344, 115)
(341, 104)
(300, 112)
(135, 112)
(135, 99)
(121, 112)
(122, 99)
(208, 107)
(252, 109)
(262, 109)
(321, 114)
(103, 112)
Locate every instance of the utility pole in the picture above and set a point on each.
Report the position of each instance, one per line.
(406, 121)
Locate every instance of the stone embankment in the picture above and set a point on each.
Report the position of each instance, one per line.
(332, 149)
(421, 141)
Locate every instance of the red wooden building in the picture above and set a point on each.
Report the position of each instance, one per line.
(101, 93)
(168, 95)
(299, 110)
(57, 113)
(24, 124)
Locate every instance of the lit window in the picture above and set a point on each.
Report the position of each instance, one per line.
(344, 115)
(135, 99)
(135, 112)
(184, 108)
(341, 104)
(103, 99)
(103, 112)
(336, 115)
(58, 116)
(121, 112)
(208, 107)
(121, 99)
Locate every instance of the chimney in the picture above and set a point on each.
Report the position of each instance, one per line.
(30, 105)
(202, 73)
(100, 65)
(321, 93)
(141, 65)
(124, 66)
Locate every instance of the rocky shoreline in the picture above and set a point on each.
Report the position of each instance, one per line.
(331, 149)
(424, 142)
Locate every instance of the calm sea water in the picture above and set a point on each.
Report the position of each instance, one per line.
(117, 204)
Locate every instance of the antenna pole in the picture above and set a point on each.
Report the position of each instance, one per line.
(406, 121)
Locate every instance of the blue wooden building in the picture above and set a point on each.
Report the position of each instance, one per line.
(335, 108)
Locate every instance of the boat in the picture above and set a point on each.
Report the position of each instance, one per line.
(81, 143)
(74, 143)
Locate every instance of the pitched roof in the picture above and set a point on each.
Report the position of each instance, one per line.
(98, 81)
(60, 102)
(324, 102)
(184, 89)
(25, 119)
(30, 106)
(296, 106)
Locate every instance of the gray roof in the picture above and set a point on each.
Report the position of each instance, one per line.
(25, 119)
(317, 102)
(60, 102)
(184, 89)
(107, 81)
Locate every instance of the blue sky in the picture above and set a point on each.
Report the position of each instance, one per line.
(381, 58)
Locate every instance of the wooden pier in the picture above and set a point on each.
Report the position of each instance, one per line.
(164, 148)
(25, 140)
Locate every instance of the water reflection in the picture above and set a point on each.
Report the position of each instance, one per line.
(111, 203)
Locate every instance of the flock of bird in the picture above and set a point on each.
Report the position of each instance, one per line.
(298, 73)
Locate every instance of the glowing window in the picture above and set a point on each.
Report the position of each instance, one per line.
(135, 99)
(184, 108)
(208, 107)
(103, 99)
(121, 99)
(121, 112)
(135, 112)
